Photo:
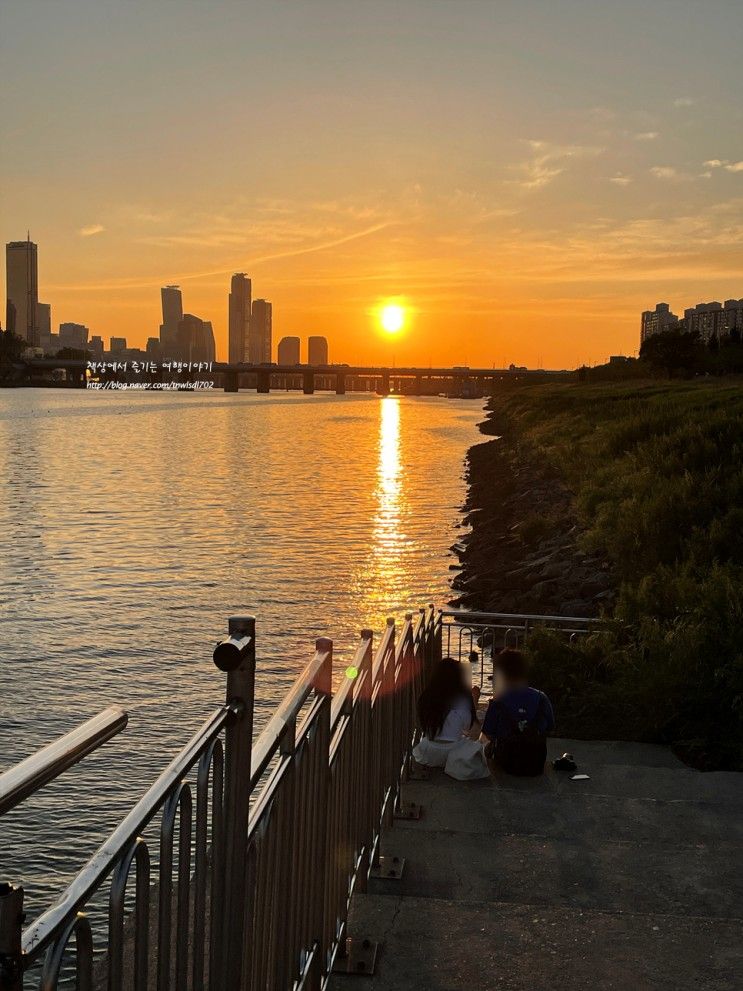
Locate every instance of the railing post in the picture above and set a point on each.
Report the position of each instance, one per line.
(11, 922)
(236, 656)
(367, 762)
(438, 628)
(322, 934)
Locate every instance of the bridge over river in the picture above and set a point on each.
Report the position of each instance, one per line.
(316, 852)
(307, 378)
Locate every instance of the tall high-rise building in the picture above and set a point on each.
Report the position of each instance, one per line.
(317, 351)
(195, 341)
(288, 353)
(657, 321)
(259, 338)
(706, 319)
(239, 317)
(22, 282)
(172, 302)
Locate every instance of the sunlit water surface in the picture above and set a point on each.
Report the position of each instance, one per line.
(132, 526)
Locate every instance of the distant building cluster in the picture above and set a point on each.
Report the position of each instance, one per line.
(182, 336)
(709, 320)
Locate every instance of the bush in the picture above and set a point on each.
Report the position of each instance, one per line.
(657, 472)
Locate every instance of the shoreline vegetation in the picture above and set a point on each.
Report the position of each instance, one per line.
(625, 501)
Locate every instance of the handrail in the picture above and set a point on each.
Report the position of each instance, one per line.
(50, 923)
(273, 733)
(269, 845)
(340, 699)
(31, 774)
(465, 616)
(384, 645)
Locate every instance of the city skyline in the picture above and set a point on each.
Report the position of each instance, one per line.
(525, 217)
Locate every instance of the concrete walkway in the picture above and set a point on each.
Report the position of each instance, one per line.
(631, 880)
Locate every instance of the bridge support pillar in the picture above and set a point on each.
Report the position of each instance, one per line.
(230, 382)
(418, 386)
(308, 383)
(383, 384)
(263, 382)
(340, 384)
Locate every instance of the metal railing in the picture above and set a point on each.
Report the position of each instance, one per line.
(484, 634)
(258, 862)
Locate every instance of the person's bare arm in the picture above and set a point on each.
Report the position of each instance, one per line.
(475, 728)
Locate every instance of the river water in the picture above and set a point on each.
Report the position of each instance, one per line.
(133, 524)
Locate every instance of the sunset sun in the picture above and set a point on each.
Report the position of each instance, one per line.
(392, 318)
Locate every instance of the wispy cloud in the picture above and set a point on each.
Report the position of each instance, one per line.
(646, 135)
(91, 229)
(666, 172)
(684, 101)
(620, 180)
(720, 163)
(548, 161)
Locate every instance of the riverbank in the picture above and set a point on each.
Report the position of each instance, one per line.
(624, 501)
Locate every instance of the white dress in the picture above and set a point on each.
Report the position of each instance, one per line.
(452, 749)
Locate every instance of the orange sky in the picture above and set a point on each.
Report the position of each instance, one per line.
(527, 176)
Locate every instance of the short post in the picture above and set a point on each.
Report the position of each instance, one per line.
(340, 384)
(263, 382)
(236, 656)
(11, 922)
(308, 383)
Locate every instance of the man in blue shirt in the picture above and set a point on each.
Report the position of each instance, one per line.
(517, 719)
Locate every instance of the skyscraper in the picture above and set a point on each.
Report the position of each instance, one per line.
(239, 317)
(259, 338)
(172, 301)
(195, 340)
(288, 351)
(22, 290)
(317, 351)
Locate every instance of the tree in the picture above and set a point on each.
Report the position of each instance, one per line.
(11, 347)
(673, 352)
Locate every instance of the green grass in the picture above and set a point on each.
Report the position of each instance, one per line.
(657, 476)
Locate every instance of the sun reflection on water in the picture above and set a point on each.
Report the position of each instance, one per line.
(388, 565)
(389, 471)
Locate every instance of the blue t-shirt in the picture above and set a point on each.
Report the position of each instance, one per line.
(527, 704)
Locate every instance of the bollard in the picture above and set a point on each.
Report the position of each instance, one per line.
(11, 921)
(236, 656)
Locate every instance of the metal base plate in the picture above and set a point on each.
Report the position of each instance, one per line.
(409, 810)
(360, 957)
(389, 869)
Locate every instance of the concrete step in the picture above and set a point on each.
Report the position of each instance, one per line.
(587, 872)
(571, 811)
(433, 944)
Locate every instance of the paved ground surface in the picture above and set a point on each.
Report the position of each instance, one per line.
(631, 880)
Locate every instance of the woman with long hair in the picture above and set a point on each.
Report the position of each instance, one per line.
(447, 714)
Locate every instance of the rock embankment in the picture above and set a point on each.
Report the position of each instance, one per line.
(523, 553)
